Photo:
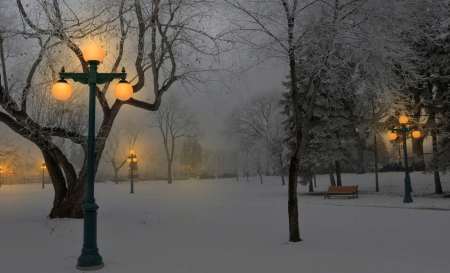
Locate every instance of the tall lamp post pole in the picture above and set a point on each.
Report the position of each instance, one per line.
(132, 159)
(10, 174)
(393, 135)
(43, 168)
(90, 258)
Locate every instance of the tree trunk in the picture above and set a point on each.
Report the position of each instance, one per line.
(71, 206)
(377, 189)
(116, 176)
(260, 176)
(331, 174)
(169, 172)
(246, 173)
(310, 184)
(116, 173)
(437, 178)
(294, 231)
(281, 170)
(360, 158)
(338, 173)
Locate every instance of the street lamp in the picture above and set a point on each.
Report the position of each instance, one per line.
(90, 258)
(133, 161)
(393, 135)
(43, 168)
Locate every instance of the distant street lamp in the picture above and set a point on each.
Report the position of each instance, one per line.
(133, 161)
(43, 168)
(393, 135)
(90, 258)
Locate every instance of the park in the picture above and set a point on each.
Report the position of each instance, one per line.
(224, 135)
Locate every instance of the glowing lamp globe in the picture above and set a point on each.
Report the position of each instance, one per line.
(61, 90)
(416, 134)
(135, 159)
(128, 159)
(131, 152)
(392, 136)
(123, 90)
(403, 120)
(93, 52)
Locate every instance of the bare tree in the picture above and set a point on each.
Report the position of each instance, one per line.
(210, 162)
(258, 122)
(166, 42)
(174, 121)
(133, 131)
(111, 153)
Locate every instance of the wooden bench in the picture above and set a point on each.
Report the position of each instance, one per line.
(341, 190)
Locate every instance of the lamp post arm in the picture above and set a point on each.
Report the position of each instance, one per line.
(77, 77)
(98, 78)
(108, 77)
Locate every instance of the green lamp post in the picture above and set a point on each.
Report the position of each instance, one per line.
(90, 258)
(393, 135)
(133, 161)
(43, 168)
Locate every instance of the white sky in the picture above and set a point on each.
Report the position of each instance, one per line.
(212, 109)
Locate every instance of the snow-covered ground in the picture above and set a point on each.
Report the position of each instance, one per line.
(221, 225)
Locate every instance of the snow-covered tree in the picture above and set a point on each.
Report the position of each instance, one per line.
(338, 44)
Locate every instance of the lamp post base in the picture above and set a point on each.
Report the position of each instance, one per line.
(408, 199)
(91, 268)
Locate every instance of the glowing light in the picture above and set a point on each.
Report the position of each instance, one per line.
(416, 134)
(123, 90)
(403, 120)
(93, 52)
(61, 90)
(392, 136)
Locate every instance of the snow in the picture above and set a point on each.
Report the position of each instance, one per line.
(224, 225)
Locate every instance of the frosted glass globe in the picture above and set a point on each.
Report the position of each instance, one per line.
(123, 91)
(392, 136)
(93, 52)
(61, 90)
